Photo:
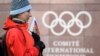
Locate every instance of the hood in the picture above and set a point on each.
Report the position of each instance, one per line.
(11, 24)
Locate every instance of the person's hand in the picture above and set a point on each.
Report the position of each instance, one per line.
(36, 37)
(41, 45)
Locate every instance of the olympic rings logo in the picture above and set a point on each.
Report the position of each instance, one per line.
(74, 20)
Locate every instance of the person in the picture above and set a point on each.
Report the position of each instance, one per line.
(19, 41)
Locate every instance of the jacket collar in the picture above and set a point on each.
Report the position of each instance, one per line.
(9, 23)
(19, 21)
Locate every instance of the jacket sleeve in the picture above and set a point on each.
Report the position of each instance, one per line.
(18, 47)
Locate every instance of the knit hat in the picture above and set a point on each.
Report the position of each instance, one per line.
(19, 6)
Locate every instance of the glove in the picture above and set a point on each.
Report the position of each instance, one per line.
(36, 37)
(41, 45)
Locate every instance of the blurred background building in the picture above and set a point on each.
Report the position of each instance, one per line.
(90, 37)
